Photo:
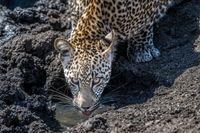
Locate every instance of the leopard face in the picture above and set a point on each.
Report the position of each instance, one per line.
(87, 72)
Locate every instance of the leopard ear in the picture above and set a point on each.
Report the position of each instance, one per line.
(109, 41)
(62, 45)
(64, 48)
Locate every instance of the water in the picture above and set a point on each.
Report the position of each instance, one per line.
(70, 116)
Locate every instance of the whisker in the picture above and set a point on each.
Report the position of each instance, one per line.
(62, 86)
(110, 85)
(66, 88)
(53, 88)
(57, 98)
(107, 101)
(109, 97)
(110, 94)
(58, 77)
(123, 85)
(113, 77)
(61, 98)
(113, 92)
(95, 106)
(113, 98)
(67, 103)
(59, 87)
(59, 93)
(61, 103)
(116, 96)
(118, 88)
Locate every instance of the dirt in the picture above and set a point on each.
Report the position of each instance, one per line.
(160, 96)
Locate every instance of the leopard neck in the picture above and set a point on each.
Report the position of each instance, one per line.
(92, 26)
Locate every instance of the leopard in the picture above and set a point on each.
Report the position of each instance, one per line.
(77, 8)
(98, 26)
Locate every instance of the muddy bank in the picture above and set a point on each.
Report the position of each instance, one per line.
(159, 96)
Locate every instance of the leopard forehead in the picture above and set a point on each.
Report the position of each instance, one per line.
(84, 62)
(86, 68)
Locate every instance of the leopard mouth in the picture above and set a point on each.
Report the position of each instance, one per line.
(87, 113)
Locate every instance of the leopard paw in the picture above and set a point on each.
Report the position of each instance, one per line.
(145, 55)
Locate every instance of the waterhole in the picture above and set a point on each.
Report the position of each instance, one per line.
(69, 116)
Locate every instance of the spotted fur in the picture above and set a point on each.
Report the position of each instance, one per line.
(97, 26)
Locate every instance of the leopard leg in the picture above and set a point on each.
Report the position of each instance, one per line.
(141, 47)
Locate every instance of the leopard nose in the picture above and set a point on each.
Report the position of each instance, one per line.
(82, 105)
(85, 108)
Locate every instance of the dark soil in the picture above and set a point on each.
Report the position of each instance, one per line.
(160, 96)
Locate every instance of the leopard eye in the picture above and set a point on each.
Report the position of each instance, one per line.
(74, 86)
(74, 81)
(96, 81)
(97, 90)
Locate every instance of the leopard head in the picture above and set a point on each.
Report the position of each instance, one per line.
(87, 70)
